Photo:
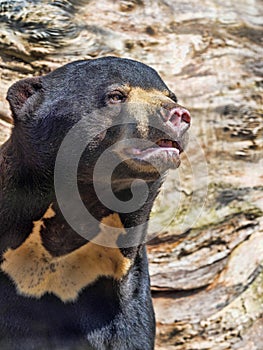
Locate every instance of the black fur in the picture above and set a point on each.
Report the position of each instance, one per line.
(109, 314)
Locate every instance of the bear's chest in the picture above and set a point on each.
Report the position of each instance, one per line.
(36, 272)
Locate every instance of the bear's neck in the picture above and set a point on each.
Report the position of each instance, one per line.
(98, 225)
(26, 196)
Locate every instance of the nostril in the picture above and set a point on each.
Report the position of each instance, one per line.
(186, 117)
(175, 116)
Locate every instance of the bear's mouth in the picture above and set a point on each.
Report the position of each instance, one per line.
(163, 154)
(166, 143)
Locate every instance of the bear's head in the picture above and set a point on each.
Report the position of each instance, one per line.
(114, 107)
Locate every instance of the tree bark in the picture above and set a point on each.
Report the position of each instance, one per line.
(206, 262)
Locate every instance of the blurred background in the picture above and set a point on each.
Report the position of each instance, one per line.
(206, 248)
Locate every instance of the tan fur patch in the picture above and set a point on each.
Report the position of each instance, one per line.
(36, 272)
(139, 98)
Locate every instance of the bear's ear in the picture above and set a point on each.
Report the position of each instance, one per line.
(20, 92)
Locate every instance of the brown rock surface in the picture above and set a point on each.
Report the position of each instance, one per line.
(206, 262)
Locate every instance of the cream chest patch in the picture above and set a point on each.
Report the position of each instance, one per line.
(36, 272)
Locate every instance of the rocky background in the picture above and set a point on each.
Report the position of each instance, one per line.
(206, 262)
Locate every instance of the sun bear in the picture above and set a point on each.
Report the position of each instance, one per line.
(89, 150)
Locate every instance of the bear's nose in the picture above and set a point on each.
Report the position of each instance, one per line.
(175, 114)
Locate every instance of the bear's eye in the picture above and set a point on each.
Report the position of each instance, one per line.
(116, 96)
